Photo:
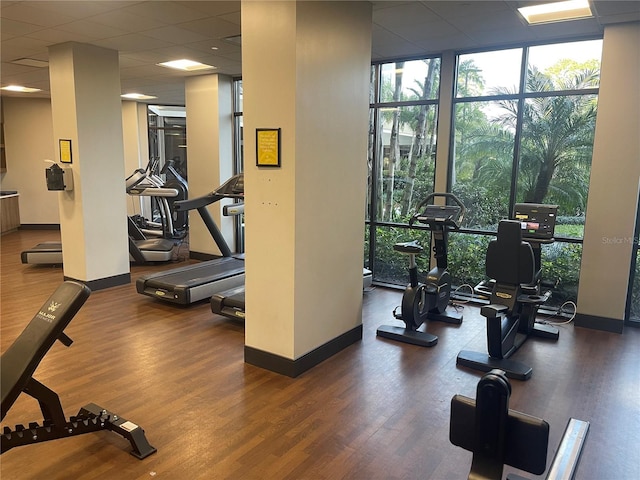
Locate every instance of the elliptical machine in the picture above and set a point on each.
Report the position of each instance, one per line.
(429, 300)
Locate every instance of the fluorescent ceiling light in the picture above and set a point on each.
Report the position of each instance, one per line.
(137, 96)
(187, 65)
(19, 88)
(556, 12)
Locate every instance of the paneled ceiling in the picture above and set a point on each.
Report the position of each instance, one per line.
(148, 32)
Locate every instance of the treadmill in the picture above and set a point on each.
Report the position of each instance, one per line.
(192, 283)
(231, 304)
(141, 249)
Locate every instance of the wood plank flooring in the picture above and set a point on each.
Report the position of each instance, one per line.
(377, 410)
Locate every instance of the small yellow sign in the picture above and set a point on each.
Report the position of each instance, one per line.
(268, 147)
(65, 151)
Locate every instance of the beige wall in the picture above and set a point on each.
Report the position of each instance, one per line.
(28, 142)
(615, 173)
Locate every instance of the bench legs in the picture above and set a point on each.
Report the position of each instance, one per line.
(90, 418)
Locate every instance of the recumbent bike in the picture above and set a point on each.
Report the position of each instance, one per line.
(429, 300)
(513, 263)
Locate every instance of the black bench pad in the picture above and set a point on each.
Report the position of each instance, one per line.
(23, 357)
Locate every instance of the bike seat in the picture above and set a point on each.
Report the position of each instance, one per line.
(408, 247)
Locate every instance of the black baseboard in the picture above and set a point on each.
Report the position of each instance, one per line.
(293, 368)
(599, 323)
(39, 226)
(102, 283)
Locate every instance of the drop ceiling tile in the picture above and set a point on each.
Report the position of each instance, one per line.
(175, 34)
(216, 8)
(79, 9)
(24, 12)
(133, 42)
(212, 27)
(52, 36)
(127, 21)
(400, 16)
(90, 29)
(15, 28)
(170, 13)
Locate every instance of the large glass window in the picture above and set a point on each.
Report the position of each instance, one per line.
(168, 137)
(402, 146)
(522, 130)
(524, 121)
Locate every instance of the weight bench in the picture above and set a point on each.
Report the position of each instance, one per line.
(498, 436)
(23, 357)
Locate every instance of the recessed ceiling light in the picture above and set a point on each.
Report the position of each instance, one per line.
(19, 88)
(556, 12)
(31, 62)
(138, 96)
(187, 65)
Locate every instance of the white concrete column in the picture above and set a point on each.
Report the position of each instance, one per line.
(306, 72)
(87, 110)
(210, 151)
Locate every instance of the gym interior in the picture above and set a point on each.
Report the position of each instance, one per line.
(319, 372)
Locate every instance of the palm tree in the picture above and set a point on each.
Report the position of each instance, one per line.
(423, 141)
(557, 133)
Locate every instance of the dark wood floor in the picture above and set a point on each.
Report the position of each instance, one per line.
(377, 410)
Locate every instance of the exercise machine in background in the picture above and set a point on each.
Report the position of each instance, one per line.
(192, 283)
(144, 245)
(141, 249)
(498, 436)
(231, 303)
(22, 358)
(165, 221)
(513, 262)
(428, 300)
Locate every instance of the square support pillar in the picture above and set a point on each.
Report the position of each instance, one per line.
(306, 68)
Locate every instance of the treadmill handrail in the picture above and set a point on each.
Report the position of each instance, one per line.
(199, 202)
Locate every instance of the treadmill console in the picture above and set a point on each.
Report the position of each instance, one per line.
(538, 221)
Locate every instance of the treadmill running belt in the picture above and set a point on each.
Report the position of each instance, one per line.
(193, 282)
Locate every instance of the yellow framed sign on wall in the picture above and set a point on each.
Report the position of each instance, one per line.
(65, 151)
(268, 147)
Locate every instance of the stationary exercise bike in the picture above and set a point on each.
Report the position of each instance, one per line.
(514, 264)
(429, 300)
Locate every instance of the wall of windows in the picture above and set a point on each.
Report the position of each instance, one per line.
(402, 146)
(522, 128)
